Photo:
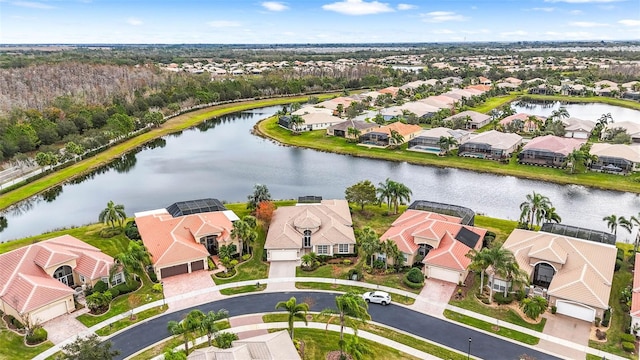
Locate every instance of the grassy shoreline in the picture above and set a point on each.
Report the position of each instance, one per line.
(317, 140)
(172, 125)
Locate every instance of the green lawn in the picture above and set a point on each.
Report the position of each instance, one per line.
(501, 227)
(621, 279)
(89, 233)
(243, 289)
(345, 288)
(320, 141)
(252, 269)
(390, 334)
(120, 304)
(508, 333)
(493, 103)
(374, 216)
(13, 346)
(121, 324)
(504, 314)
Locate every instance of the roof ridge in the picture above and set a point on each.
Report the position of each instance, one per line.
(15, 270)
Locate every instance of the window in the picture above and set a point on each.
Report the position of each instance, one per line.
(117, 279)
(306, 240)
(343, 248)
(499, 285)
(322, 249)
(82, 279)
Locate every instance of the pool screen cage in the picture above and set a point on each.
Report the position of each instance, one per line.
(580, 233)
(195, 207)
(467, 215)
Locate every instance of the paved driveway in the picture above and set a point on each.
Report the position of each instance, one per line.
(568, 328)
(282, 269)
(60, 328)
(186, 283)
(434, 297)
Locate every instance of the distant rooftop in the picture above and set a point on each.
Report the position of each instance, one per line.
(195, 207)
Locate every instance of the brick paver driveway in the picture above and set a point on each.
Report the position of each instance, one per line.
(568, 328)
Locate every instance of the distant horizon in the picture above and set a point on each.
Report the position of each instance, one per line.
(315, 21)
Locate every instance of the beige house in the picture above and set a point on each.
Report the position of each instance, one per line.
(272, 346)
(37, 281)
(324, 228)
(490, 144)
(619, 158)
(181, 237)
(574, 274)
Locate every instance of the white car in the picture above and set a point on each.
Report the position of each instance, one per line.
(378, 297)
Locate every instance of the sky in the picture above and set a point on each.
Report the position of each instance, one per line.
(314, 21)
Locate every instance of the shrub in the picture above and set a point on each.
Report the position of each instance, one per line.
(114, 292)
(129, 286)
(519, 295)
(246, 257)
(627, 338)
(486, 301)
(378, 264)
(357, 272)
(503, 300)
(15, 322)
(132, 233)
(554, 309)
(601, 335)
(157, 288)
(620, 254)
(632, 259)
(100, 286)
(415, 276)
(412, 285)
(323, 258)
(37, 336)
(109, 232)
(624, 308)
(597, 321)
(152, 276)
(618, 265)
(628, 346)
(606, 317)
(346, 262)
(210, 264)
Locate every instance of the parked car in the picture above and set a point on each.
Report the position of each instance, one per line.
(377, 297)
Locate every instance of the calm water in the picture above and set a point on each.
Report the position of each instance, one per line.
(582, 111)
(221, 159)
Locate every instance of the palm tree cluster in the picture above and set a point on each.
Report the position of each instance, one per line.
(197, 324)
(446, 143)
(580, 159)
(502, 263)
(613, 222)
(536, 208)
(244, 230)
(393, 193)
(369, 243)
(135, 259)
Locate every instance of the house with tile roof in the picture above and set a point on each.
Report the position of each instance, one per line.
(273, 346)
(439, 241)
(549, 150)
(528, 124)
(615, 158)
(578, 128)
(181, 243)
(342, 129)
(632, 128)
(635, 299)
(574, 274)
(37, 281)
(491, 144)
(324, 228)
(476, 119)
(382, 136)
(428, 140)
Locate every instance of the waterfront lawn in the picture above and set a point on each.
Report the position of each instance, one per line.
(388, 333)
(494, 102)
(90, 234)
(121, 305)
(470, 302)
(483, 325)
(378, 217)
(621, 279)
(502, 228)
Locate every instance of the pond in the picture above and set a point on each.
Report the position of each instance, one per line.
(584, 111)
(222, 159)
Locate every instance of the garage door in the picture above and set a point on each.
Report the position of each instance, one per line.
(444, 274)
(575, 310)
(174, 270)
(54, 311)
(284, 255)
(197, 265)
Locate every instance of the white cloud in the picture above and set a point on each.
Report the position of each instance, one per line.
(443, 31)
(358, 7)
(223, 23)
(134, 21)
(402, 7)
(513, 33)
(442, 16)
(33, 5)
(587, 24)
(629, 22)
(274, 6)
(576, 12)
(574, 35)
(543, 9)
(582, 1)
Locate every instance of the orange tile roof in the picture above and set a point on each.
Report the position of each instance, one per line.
(482, 88)
(403, 129)
(172, 240)
(25, 285)
(450, 254)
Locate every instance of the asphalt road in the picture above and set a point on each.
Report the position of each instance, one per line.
(428, 327)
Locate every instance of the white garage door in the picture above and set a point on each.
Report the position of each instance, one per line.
(575, 310)
(444, 274)
(50, 313)
(283, 255)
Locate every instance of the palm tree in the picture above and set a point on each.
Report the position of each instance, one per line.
(369, 242)
(612, 223)
(396, 138)
(626, 224)
(533, 209)
(575, 159)
(384, 192)
(295, 311)
(112, 213)
(296, 121)
(356, 349)
(446, 143)
(135, 259)
(208, 324)
(260, 194)
(500, 260)
(351, 310)
(559, 114)
(550, 214)
(353, 132)
(186, 327)
(479, 262)
(244, 230)
(399, 194)
(533, 307)
(391, 251)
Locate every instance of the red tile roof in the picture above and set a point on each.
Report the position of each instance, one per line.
(172, 240)
(555, 144)
(635, 296)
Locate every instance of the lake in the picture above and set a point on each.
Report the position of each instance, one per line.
(222, 159)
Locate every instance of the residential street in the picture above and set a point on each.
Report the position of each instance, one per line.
(440, 331)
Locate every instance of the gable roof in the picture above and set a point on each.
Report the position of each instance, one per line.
(576, 124)
(26, 286)
(554, 144)
(622, 151)
(172, 240)
(475, 116)
(329, 221)
(439, 132)
(635, 296)
(403, 129)
(586, 274)
(356, 124)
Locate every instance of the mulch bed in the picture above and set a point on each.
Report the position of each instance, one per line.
(335, 355)
(461, 291)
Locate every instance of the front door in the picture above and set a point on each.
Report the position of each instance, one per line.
(212, 245)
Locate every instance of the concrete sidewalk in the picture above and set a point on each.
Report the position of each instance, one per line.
(194, 299)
